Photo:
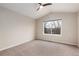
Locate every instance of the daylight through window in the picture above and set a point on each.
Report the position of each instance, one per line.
(52, 27)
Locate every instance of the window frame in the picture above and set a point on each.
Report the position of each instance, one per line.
(52, 34)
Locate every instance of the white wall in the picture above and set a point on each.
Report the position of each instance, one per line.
(78, 28)
(15, 28)
(69, 28)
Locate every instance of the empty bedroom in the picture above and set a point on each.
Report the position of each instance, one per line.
(39, 29)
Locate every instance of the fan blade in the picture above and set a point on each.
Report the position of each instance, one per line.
(38, 8)
(47, 4)
(40, 3)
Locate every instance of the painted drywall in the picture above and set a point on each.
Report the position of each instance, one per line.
(15, 29)
(69, 28)
(78, 29)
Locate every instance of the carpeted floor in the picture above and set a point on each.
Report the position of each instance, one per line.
(41, 48)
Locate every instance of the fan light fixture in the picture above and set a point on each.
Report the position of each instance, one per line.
(41, 5)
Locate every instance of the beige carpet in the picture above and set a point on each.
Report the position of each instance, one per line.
(41, 48)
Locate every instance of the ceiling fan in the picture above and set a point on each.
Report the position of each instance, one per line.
(41, 5)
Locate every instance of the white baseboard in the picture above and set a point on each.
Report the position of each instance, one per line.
(60, 42)
(13, 45)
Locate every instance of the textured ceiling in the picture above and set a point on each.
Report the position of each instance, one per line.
(30, 9)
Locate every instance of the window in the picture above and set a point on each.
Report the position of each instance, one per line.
(52, 27)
